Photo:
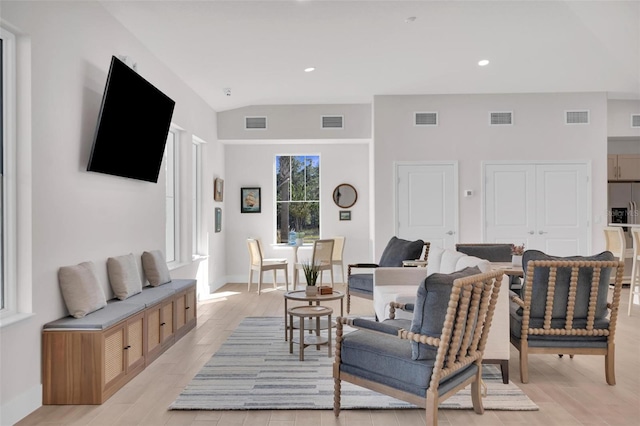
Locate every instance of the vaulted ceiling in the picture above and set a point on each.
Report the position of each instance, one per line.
(260, 49)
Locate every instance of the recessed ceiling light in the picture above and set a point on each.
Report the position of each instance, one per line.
(410, 19)
(310, 69)
(483, 62)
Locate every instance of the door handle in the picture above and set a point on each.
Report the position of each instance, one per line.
(450, 233)
(531, 232)
(542, 232)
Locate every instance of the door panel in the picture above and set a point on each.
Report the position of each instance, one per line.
(543, 206)
(427, 203)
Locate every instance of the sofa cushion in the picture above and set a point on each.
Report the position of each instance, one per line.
(124, 276)
(155, 267)
(490, 252)
(81, 289)
(541, 278)
(432, 302)
(398, 250)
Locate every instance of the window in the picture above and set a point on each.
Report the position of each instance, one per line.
(196, 190)
(297, 196)
(8, 188)
(171, 165)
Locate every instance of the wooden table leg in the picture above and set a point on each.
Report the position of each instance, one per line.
(301, 338)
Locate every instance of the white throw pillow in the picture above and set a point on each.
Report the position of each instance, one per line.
(155, 267)
(81, 289)
(124, 276)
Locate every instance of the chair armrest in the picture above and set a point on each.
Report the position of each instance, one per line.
(364, 324)
(399, 276)
(420, 338)
(515, 299)
(360, 265)
(407, 307)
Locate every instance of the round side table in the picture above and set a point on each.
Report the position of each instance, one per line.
(310, 312)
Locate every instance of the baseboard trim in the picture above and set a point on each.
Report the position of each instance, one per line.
(13, 411)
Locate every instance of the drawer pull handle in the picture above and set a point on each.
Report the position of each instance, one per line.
(127, 347)
(163, 323)
(187, 307)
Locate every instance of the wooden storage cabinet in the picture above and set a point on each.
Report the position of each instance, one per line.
(185, 303)
(160, 329)
(624, 167)
(87, 367)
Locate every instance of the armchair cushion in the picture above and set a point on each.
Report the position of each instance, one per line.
(361, 282)
(541, 278)
(398, 250)
(430, 308)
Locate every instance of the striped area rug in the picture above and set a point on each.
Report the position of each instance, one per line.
(253, 370)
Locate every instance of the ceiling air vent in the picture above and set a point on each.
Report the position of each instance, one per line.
(501, 118)
(576, 117)
(426, 119)
(332, 122)
(635, 120)
(255, 123)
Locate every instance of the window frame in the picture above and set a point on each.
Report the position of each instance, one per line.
(172, 176)
(196, 197)
(277, 202)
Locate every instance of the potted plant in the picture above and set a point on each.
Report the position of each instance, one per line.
(516, 254)
(311, 272)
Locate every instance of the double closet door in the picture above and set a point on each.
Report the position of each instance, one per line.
(545, 206)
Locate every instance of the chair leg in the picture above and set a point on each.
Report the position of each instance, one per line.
(634, 286)
(331, 273)
(260, 282)
(524, 361)
(431, 409)
(504, 369)
(348, 300)
(336, 397)
(250, 279)
(275, 280)
(286, 278)
(476, 392)
(609, 365)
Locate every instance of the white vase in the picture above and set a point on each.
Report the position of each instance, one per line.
(311, 290)
(516, 260)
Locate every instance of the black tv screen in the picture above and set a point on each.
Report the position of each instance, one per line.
(132, 126)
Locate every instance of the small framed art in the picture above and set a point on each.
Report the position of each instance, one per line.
(218, 219)
(250, 201)
(218, 189)
(345, 214)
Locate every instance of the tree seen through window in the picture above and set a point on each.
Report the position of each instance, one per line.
(297, 196)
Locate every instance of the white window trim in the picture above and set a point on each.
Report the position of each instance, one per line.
(196, 201)
(17, 195)
(176, 197)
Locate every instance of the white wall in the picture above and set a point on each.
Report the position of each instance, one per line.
(296, 122)
(80, 216)
(254, 165)
(463, 134)
(619, 123)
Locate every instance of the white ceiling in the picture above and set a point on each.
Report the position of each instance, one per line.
(259, 49)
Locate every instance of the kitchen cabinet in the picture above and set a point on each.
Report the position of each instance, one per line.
(623, 167)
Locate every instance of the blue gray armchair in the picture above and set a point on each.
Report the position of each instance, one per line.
(395, 252)
(564, 308)
(440, 354)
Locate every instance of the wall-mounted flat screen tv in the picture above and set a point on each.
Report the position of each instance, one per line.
(132, 126)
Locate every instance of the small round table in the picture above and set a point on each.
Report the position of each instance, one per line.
(310, 312)
(301, 296)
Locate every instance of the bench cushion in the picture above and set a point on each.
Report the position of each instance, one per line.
(114, 312)
(180, 284)
(152, 295)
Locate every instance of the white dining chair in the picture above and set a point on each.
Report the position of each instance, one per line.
(258, 263)
(337, 258)
(615, 242)
(321, 256)
(634, 287)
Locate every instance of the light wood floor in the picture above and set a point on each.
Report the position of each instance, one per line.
(568, 391)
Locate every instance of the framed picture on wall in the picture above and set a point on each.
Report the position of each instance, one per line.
(345, 214)
(250, 201)
(218, 189)
(218, 219)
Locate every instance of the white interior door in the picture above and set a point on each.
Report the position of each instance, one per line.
(426, 202)
(544, 206)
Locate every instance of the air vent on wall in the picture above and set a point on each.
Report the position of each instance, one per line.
(332, 122)
(501, 118)
(255, 123)
(576, 117)
(425, 119)
(635, 120)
